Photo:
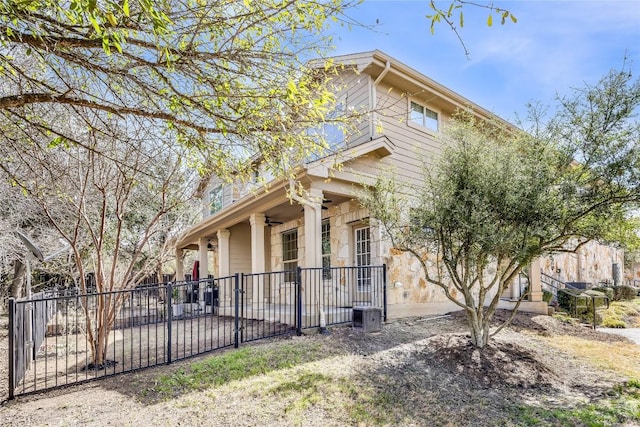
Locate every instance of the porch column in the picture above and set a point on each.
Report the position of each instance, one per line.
(535, 281)
(313, 229)
(203, 271)
(225, 289)
(515, 288)
(179, 265)
(257, 221)
(223, 252)
(313, 298)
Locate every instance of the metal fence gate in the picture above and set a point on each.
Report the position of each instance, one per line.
(68, 338)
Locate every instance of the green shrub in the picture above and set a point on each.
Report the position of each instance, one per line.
(547, 296)
(607, 291)
(587, 317)
(564, 318)
(599, 298)
(579, 303)
(574, 302)
(624, 293)
(613, 323)
(566, 296)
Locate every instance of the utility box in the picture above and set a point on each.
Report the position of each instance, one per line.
(578, 285)
(369, 319)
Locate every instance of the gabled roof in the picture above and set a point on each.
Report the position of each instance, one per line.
(405, 78)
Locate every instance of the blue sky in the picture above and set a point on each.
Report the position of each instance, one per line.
(554, 45)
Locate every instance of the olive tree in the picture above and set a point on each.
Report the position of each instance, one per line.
(496, 199)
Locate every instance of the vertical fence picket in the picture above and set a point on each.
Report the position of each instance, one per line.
(384, 292)
(168, 305)
(12, 352)
(236, 311)
(298, 294)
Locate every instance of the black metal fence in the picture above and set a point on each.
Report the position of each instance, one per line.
(100, 334)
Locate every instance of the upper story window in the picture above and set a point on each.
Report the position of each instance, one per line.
(215, 199)
(332, 129)
(423, 116)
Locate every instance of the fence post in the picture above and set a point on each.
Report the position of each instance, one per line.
(169, 308)
(593, 303)
(298, 285)
(384, 292)
(236, 290)
(12, 356)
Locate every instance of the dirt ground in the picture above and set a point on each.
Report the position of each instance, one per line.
(427, 364)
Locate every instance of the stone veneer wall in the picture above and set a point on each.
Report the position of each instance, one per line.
(592, 263)
(276, 243)
(343, 218)
(405, 280)
(405, 284)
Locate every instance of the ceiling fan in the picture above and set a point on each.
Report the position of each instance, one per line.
(268, 222)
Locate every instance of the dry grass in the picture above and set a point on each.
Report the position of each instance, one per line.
(620, 357)
(415, 372)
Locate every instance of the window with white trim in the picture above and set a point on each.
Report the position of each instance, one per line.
(423, 116)
(362, 240)
(290, 254)
(326, 249)
(215, 199)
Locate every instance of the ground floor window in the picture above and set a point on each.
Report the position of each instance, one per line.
(290, 254)
(362, 254)
(326, 249)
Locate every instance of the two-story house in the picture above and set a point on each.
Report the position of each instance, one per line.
(260, 231)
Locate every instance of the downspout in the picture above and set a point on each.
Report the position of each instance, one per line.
(374, 101)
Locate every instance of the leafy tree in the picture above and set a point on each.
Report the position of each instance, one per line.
(497, 199)
(453, 16)
(117, 201)
(107, 109)
(17, 213)
(626, 233)
(228, 79)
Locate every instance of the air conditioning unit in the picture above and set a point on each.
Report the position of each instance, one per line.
(369, 319)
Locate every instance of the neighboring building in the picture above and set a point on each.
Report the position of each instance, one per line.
(633, 275)
(258, 231)
(593, 263)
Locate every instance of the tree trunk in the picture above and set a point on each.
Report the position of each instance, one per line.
(104, 323)
(479, 332)
(18, 278)
(99, 346)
